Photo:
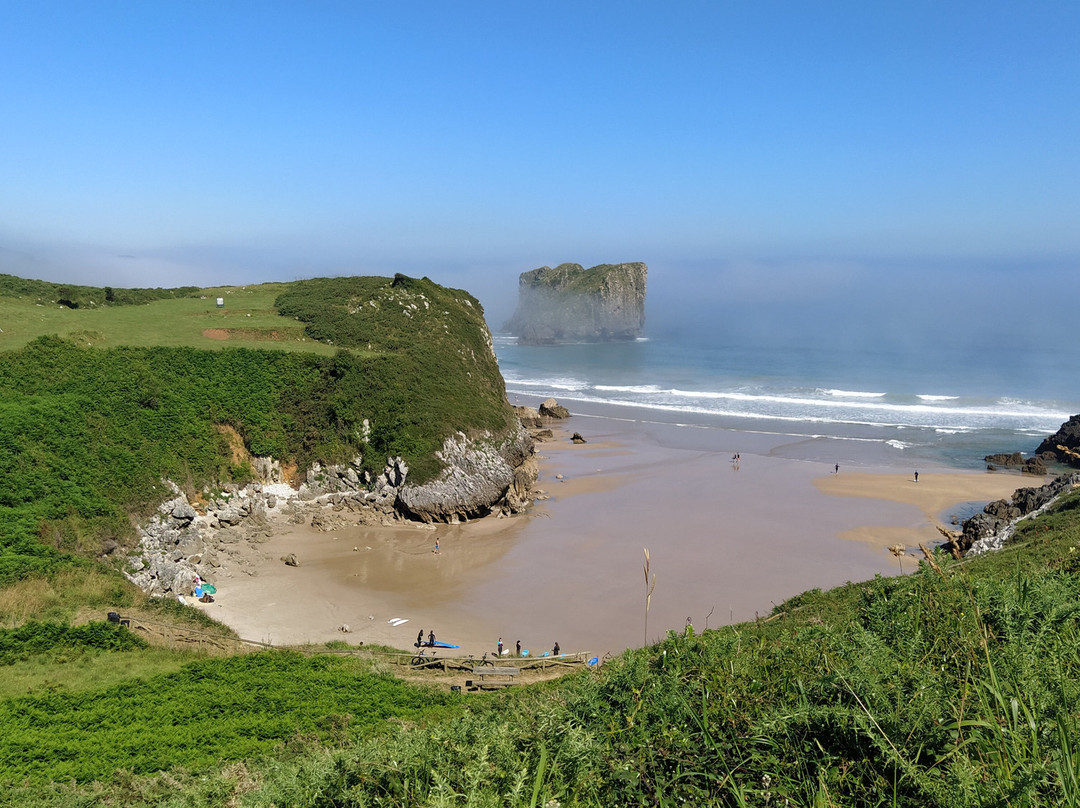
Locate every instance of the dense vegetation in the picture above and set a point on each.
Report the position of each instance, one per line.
(209, 711)
(957, 685)
(87, 435)
(31, 639)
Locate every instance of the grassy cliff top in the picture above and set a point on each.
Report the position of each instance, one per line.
(572, 278)
(188, 317)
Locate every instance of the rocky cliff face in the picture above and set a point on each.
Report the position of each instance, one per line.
(992, 528)
(572, 304)
(1064, 445)
(482, 476)
(479, 477)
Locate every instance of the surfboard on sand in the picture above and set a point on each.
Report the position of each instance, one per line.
(439, 644)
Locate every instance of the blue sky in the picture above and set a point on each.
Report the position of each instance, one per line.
(764, 151)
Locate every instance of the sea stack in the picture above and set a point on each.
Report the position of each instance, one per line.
(572, 304)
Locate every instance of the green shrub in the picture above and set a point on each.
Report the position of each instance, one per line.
(37, 638)
(210, 711)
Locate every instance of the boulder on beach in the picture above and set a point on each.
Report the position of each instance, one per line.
(550, 408)
(529, 417)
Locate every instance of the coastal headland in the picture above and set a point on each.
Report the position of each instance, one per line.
(728, 541)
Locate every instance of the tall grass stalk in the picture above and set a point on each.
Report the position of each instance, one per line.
(650, 585)
(538, 782)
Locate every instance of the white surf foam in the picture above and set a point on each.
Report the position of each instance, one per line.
(851, 394)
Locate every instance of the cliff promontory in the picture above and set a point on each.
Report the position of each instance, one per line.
(393, 383)
(572, 304)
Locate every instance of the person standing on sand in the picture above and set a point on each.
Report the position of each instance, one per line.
(436, 550)
(420, 638)
(916, 476)
(555, 650)
(431, 639)
(837, 469)
(517, 648)
(500, 646)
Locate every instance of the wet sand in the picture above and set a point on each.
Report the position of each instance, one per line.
(727, 542)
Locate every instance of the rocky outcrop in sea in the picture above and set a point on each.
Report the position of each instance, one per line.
(572, 304)
(1030, 465)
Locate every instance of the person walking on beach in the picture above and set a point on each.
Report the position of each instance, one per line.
(436, 550)
(837, 469)
(916, 476)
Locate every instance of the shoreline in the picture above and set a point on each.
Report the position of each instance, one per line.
(727, 543)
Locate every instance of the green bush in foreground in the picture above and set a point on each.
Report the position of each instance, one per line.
(37, 638)
(209, 712)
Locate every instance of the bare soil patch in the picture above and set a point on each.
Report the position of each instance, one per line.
(238, 452)
(256, 334)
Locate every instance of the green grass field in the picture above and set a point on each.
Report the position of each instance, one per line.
(248, 320)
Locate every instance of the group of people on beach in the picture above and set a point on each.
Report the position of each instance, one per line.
(517, 648)
(430, 639)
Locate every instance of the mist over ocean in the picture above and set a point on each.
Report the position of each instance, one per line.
(860, 404)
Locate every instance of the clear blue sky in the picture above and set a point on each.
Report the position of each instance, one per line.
(762, 149)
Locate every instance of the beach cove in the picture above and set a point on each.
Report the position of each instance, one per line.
(728, 541)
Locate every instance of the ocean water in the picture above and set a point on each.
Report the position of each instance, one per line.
(865, 405)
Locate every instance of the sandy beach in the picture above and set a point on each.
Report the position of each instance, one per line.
(936, 495)
(728, 541)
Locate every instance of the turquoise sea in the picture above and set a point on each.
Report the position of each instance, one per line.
(862, 404)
